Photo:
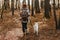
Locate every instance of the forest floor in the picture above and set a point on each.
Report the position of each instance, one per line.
(11, 29)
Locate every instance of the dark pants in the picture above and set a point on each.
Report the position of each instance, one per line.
(24, 26)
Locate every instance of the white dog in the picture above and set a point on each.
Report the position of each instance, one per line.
(35, 26)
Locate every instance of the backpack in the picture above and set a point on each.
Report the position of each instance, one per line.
(24, 15)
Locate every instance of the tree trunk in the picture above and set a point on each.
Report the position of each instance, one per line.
(5, 4)
(59, 20)
(47, 9)
(42, 4)
(2, 10)
(19, 5)
(32, 9)
(29, 4)
(24, 1)
(8, 4)
(58, 4)
(16, 4)
(37, 8)
(54, 10)
(12, 6)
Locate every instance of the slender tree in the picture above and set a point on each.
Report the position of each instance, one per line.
(2, 10)
(0, 5)
(59, 20)
(12, 6)
(29, 4)
(16, 3)
(32, 9)
(42, 4)
(54, 10)
(19, 5)
(37, 8)
(5, 4)
(58, 3)
(8, 4)
(47, 8)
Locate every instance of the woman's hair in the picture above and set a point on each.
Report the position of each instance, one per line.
(24, 5)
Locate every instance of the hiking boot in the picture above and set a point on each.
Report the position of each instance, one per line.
(26, 32)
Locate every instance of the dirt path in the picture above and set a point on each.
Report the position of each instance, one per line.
(11, 29)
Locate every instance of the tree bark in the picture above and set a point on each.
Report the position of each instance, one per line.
(29, 4)
(47, 9)
(58, 3)
(12, 6)
(8, 6)
(37, 8)
(32, 9)
(5, 4)
(16, 4)
(54, 10)
(2, 11)
(59, 20)
(19, 5)
(42, 4)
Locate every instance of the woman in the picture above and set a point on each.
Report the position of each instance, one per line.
(24, 16)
